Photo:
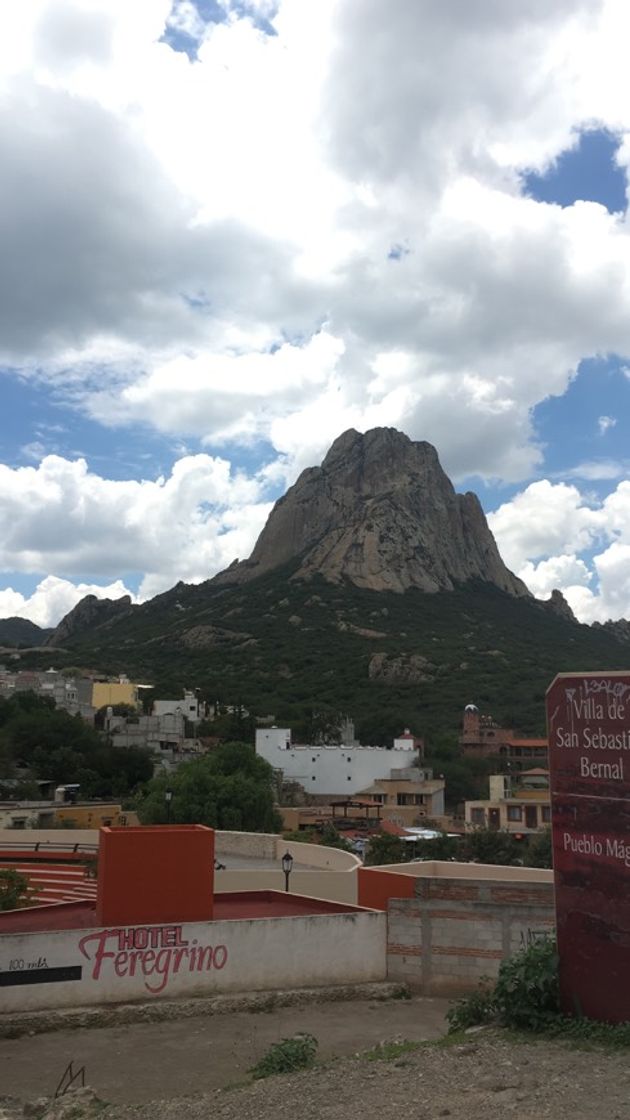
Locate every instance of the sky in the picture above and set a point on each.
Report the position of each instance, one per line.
(232, 229)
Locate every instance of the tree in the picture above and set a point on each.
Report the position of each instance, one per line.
(441, 847)
(231, 788)
(539, 851)
(55, 746)
(385, 848)
(13, 889)
(331, 838)
(490, 845)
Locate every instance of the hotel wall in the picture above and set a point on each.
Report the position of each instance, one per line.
(85, 967)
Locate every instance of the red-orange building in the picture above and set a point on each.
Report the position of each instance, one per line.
(482, 737)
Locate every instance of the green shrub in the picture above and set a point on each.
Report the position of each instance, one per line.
(527, 993)
(14, 889)
(472, 1011)
(287, 1056)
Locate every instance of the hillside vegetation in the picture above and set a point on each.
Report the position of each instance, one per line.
(294, 649)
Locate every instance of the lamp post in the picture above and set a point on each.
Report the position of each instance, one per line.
(287, 865)
(168, 797)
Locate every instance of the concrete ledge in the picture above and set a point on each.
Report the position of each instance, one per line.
(40, 1022)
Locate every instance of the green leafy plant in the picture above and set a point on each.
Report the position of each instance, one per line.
(287, 1056)
(390, 1051)
(385, 848)
(526, 995)
(475, 1010)
(14, 889)
(539, 852)
(331, 838)
(527, 992)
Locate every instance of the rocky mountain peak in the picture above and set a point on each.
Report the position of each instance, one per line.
(558, 604)
(87, 614)
(380, 513)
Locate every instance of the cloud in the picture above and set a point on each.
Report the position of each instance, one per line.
(294, 233)
(604, 423)
(53, 598)
(544, 520)
(542, 531)
(62, 517)
(172, 244)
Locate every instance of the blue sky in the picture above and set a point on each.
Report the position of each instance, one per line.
(262, 224)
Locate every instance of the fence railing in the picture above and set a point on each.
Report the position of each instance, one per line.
(45, 846)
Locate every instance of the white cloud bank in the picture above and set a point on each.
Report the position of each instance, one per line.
(60, 516)
(53, 598)
(542, 531)
(293, 234)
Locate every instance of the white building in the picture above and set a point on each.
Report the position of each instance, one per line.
(190, 707)
(332, 770)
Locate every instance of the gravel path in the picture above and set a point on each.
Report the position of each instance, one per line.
(489, 1077)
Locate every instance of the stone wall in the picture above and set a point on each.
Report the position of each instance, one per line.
(453, 933)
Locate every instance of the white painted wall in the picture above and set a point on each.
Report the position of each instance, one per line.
(257, 955)
(331, 770)
(188, 705)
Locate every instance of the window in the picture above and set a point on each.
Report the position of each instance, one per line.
(477, 816)
(514, 813)
(546, 814)
(379, 798)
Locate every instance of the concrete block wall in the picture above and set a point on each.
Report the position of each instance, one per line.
(454, 933)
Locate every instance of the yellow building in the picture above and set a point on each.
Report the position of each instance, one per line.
(93, 815)
(519, 805)
(109, 693)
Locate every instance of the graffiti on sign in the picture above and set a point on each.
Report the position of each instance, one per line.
(156, 953)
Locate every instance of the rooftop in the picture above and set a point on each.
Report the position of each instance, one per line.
(233, 906)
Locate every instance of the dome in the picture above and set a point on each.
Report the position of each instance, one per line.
(471, 708)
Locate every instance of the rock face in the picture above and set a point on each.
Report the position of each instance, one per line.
(620, 629)
(87, 614)
(381, 513)
(558, 604)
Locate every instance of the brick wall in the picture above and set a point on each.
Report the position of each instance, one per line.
(454, 933)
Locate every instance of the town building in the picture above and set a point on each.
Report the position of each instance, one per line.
(517, 803)
(163, 735)
(339, 769)
(73, 694)
(408, 796)
(60, 813)
(482, 737)
(190, 706)
(110, 693)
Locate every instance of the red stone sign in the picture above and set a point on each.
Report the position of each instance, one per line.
(588, 721)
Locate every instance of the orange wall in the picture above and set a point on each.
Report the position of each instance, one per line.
(376, 887)
(154, 875)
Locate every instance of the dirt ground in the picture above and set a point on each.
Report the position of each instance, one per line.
(144, 1061)
(492, 1077)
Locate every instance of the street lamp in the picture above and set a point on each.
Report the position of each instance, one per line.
(168, 797)
(287, 865)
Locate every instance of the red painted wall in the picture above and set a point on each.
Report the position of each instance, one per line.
(155, 875)
(376, 887)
